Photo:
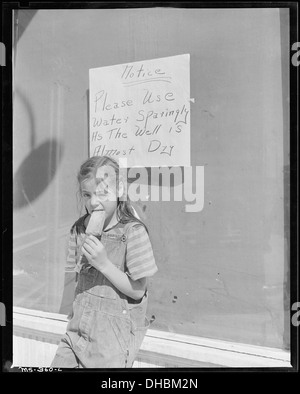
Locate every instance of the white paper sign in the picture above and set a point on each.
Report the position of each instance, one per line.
(141, 111)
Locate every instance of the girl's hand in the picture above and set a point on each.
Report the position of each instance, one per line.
(95, 252)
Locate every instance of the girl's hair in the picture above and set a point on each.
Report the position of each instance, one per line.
(88, 169)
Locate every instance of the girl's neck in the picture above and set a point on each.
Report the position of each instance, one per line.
(110, 222)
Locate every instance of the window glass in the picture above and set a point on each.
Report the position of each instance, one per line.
(223, 271)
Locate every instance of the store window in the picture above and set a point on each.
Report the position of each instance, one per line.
(223, 271)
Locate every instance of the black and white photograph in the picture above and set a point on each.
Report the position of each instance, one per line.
(152, 152)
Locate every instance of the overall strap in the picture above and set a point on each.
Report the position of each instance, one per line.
(127, 227)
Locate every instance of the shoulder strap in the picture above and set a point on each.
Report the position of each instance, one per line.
(128, 226)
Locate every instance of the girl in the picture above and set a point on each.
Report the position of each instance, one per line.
(108, 321)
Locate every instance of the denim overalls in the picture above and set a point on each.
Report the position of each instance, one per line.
(107, 328)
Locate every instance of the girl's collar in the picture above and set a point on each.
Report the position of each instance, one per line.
(112, 227)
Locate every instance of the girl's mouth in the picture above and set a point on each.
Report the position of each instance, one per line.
(99, 208)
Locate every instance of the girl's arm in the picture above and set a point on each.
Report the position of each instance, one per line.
(132, 288)
(96, 254)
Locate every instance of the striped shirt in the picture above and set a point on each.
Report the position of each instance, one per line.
(72, 253)
(140, 260)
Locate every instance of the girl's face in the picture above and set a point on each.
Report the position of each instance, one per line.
(101, 190)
